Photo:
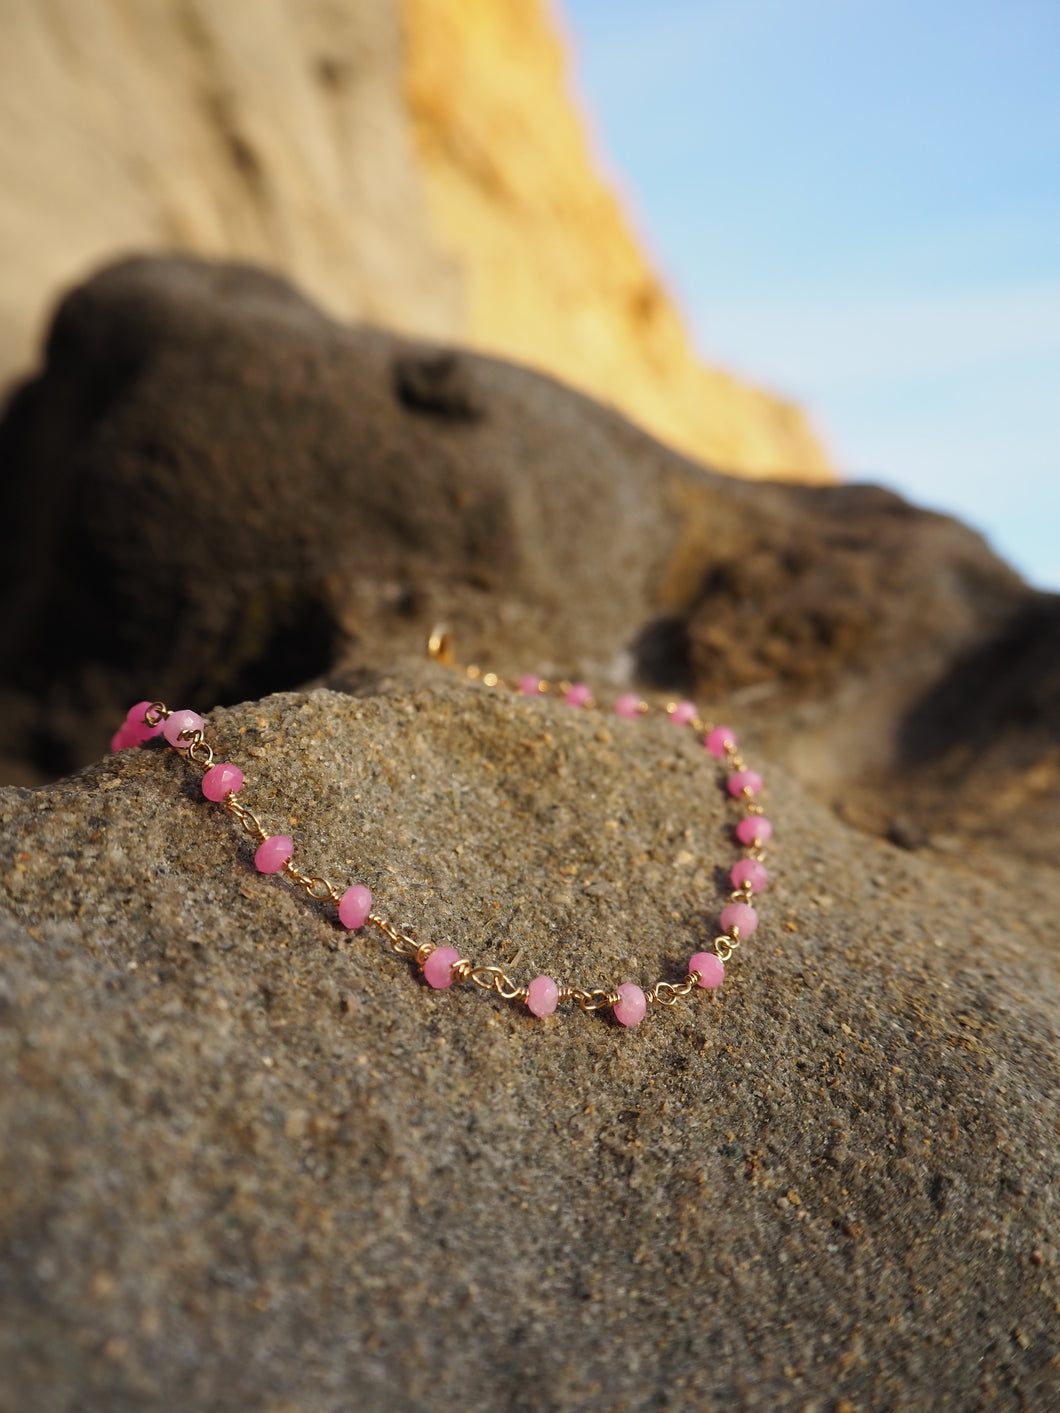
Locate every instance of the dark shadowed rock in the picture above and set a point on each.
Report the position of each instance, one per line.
(214, 491)
(250, 1161)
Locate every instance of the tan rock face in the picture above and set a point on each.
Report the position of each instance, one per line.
(419, 164)
(273, 133)
(556, 276)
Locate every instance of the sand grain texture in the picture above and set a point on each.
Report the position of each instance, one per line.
(250, 1160)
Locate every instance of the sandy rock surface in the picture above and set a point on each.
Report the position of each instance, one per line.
(250, 1160)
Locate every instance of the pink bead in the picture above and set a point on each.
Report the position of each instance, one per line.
(754, 830)
(629, 1010)
(740, 915)
(124, 737)
(628, 705)
(438, 968)
(530, 684)
(354, 906)
(222, 780)
(543, 997)
(751, 871)
(683, 713)
(742, 780)
(721, 739)
(139, 734)
(579, 695)
(181, 721)
(711, 969)
(274, 853)
(134, 719)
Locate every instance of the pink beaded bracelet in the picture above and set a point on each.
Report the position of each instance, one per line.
(184, 730)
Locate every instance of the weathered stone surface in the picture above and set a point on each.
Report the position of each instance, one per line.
(251, 1161)
(415, 163)
(214, 491)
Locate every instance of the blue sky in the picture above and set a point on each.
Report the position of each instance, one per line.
(858, 204)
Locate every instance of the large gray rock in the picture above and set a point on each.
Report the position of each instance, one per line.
(214, 490)
(250, 1161)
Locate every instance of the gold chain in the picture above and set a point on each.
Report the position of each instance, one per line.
(403, 940)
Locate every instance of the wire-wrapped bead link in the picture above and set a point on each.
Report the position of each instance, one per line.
(488, 977)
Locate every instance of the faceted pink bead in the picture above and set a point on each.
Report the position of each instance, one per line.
(683, 713)
(124, 737)
(274, 853)
(754, 830)
(628, 705)
(134, 718)
(629, 1010)
(222, 780)
(354, 906)
(578, 695)
(742, 780)
(754, 873)
(711, 969)
(740, 915)
(530, 684)
(181, 721)
(544, 996)
(719, 740)
(438, 968)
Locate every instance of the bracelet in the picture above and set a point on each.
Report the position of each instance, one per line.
(184, 731)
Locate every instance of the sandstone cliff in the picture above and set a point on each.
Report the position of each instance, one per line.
(555, 275)
(416, 163)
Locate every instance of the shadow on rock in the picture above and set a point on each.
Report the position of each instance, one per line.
(212, 491)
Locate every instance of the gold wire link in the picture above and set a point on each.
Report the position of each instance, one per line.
(585, 999)
(197, 743)
(401, 942)
(250, 822)
(490, 978)
(725, 945)
(312, 885)
(666, 993)
(156, 712)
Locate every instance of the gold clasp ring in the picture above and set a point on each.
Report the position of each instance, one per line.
(440, 644)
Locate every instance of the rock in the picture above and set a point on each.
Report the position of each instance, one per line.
(249, 1160)
(419, 164)
(555, 273)
(213, 491)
